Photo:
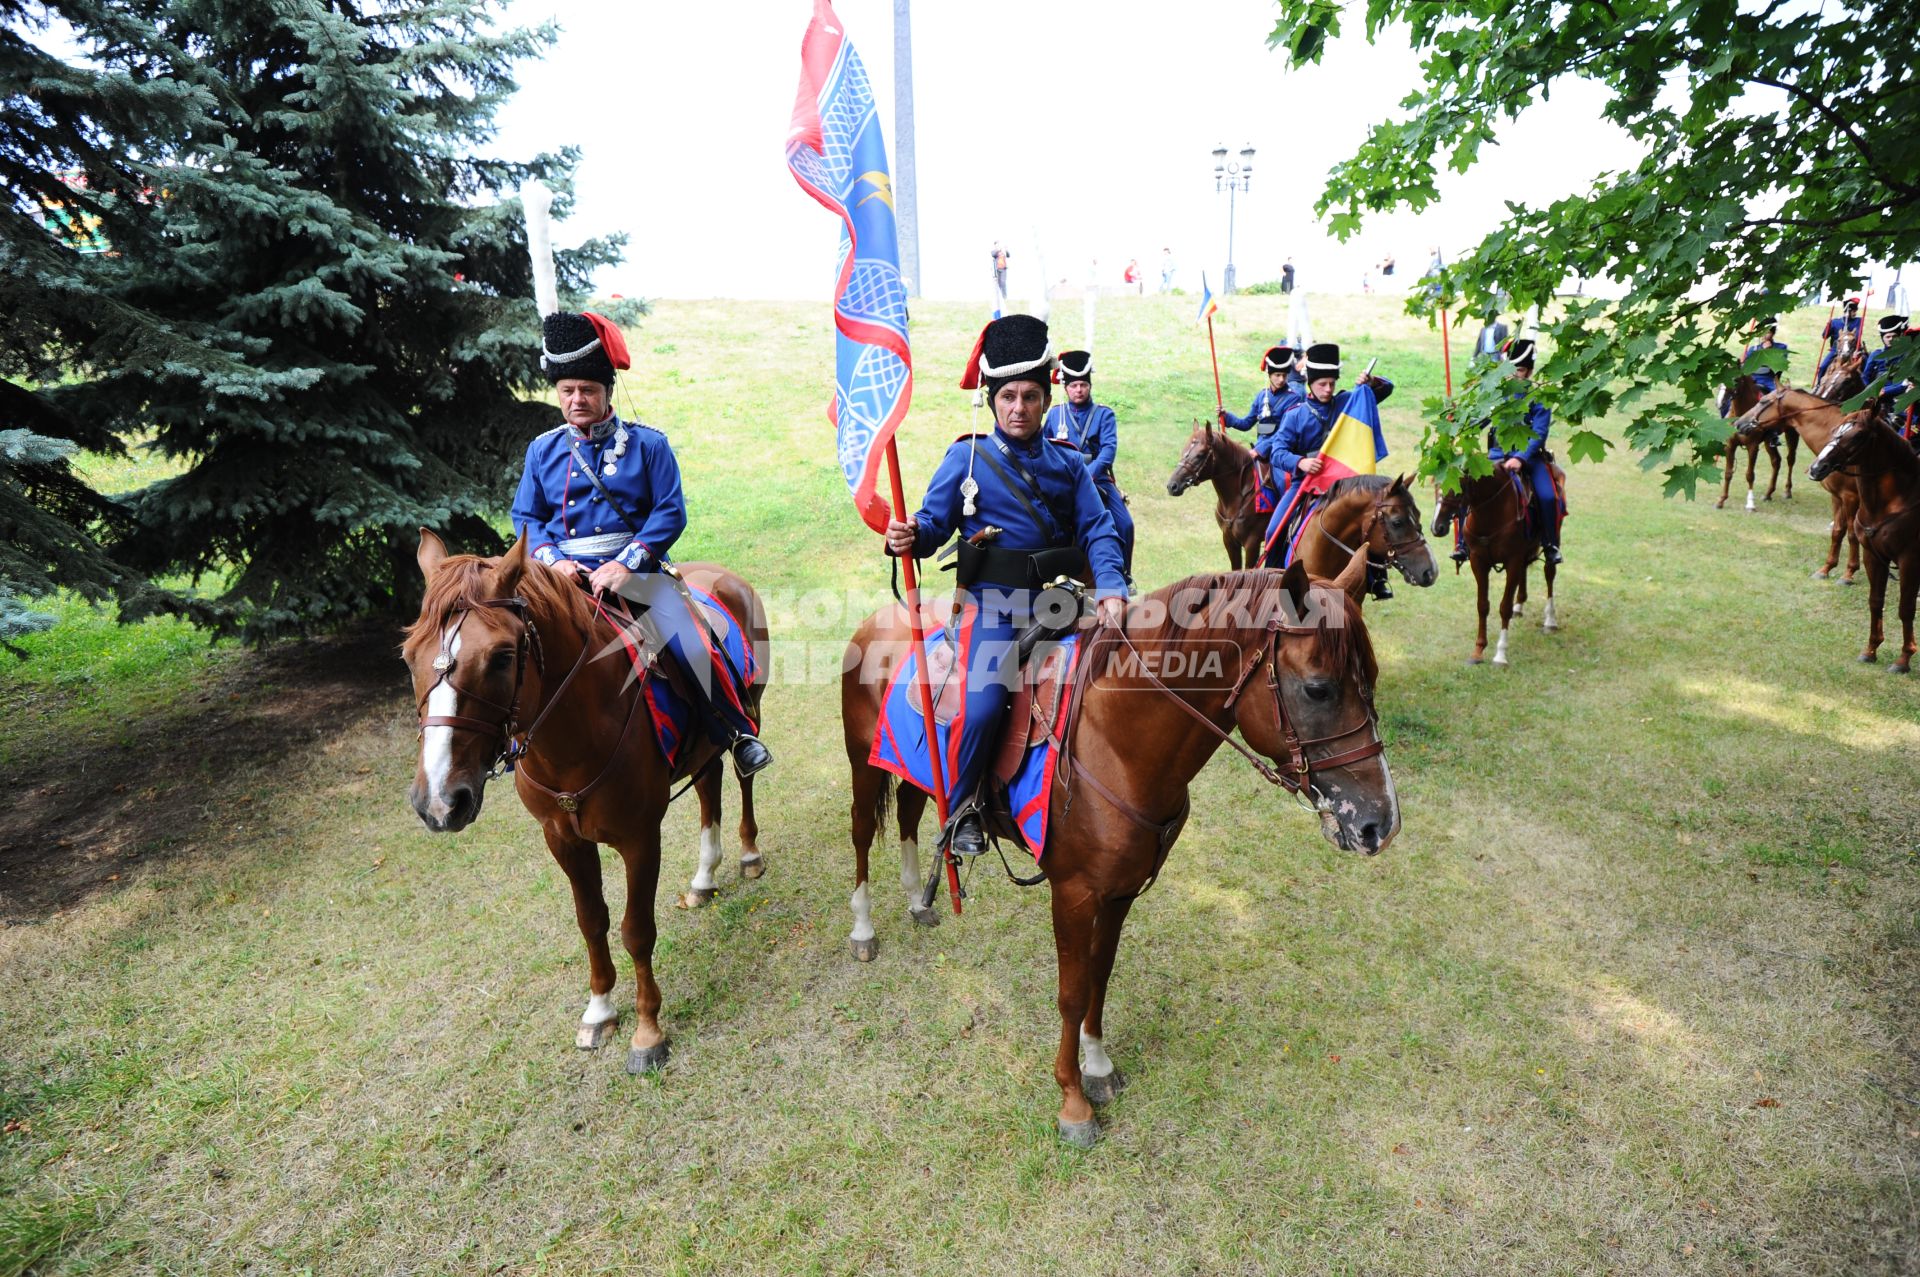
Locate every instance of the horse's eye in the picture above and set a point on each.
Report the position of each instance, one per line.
(1321, 689)
(501, 661)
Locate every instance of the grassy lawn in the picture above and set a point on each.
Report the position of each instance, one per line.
(1633, 992)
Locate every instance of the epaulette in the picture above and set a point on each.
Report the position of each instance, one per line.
(971, 434)
(548, 433)
(645, 426)
(1064, 443)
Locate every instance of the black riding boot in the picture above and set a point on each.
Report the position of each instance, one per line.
(1459, 542)
(969, 835)
(1377, 580)
(749, 755)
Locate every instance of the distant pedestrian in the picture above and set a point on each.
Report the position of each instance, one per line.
(1366, 282)
(1493, 336)
(1286, 277)
(1386, 266)
(1000, 259)
(1133, 275)
(1435, 269)
(1166, 270)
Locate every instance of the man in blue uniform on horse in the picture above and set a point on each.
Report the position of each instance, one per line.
(1773, 364)
(600, 501)
(1095, 432)
(1529, 462)
(1270, 407)
(1295, 446)
(1838, 333)
(1041, 497)
(1884, 363)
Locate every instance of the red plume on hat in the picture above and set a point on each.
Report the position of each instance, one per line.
(970, 379)
(612, 341)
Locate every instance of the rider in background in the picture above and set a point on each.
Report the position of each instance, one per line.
(1528, 459)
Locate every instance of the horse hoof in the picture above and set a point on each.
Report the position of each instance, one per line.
(864, 950)
(1823, 576)
(696, 899)
(591, 1037)
(1551, 629)
(1846, 580)
(1080, 1134)
(1902, 669)
(1475, 660)
(1869, 658)
(752, 866)
(1100, 1090)
(925, 917)
(1721, 504)
(1500, 663)
(649, 1059)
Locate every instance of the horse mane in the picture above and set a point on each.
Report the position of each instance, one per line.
(1341, 644)
(1367, 483)
(461, 579)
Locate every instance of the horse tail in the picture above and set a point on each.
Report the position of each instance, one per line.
(883, 802)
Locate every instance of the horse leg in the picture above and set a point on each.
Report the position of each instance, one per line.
(751, 866)
(1853, 542)
(1773, 456)
(710, 787)
(869, 798)
(1232, 540)
(647, 1051)
(1876, 606)
(1519, 597)
(580, 861)
(1549, 622)
(1793, 450)
(1481, 570)
(1835, 530)
(1909, 592)
(1753, 459)
(908, 806)
(1516, 575)
(1098, 1078)
(1726, 483)
(1073, 929)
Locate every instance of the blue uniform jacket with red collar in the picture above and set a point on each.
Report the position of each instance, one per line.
(1065, 495)
(564, 515)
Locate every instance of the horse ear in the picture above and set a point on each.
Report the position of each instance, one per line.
(1297, 584)
(431, 553)
(513, 564)
(1353, 577)
(1399, 486)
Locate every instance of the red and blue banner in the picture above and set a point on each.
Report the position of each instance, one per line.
(838, 156)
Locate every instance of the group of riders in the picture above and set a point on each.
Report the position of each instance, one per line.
(1030, 501)
(1840, 338)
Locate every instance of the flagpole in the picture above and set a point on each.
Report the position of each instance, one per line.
(1821, 340)
(1446, 351)
(922, 674)
(1218, 403)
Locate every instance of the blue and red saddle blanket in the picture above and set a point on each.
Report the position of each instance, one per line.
(900, 740)
(670, 712)
(1305, 510)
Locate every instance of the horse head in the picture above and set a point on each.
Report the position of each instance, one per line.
(1311, 707)
(1448, 506)
(1394, 536)
(1844, 377)
(1196, 460)
(472, 653)
(1847, 446)
(1769, 413)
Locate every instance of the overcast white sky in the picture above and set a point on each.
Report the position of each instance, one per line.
(1112, 105)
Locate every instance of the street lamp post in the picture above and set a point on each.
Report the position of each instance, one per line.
(1231, 176)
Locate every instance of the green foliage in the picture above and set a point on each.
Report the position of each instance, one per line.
(1265, 288)
(318, 305)
(1775, 168)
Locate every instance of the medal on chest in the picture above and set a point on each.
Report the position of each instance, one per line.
(968, 491)
(620, 438)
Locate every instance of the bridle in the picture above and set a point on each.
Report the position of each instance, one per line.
(1209, 457)
(1393, 549)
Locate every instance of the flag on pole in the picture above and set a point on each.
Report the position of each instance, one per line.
(1208, 307)
(1354, 445)
(839, 157)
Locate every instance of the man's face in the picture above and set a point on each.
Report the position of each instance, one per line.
(1321, 388)
(1886, 339)
(582, 402)
(1276, 379)
(1523, 371)
(1019, 408)
(1079, 393)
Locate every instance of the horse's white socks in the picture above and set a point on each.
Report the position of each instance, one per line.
(1549, 621)
(599, 1010)
(1500, 649)
(709, 858)
(1750, 506)
(1094, 1061)
(436, 743)
(862, 914)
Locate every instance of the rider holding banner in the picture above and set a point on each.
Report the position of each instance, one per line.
(1294, 451)
(1027, 511)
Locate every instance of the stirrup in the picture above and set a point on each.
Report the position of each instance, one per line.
(750, 755)
(1460, 554)
(1552, 553)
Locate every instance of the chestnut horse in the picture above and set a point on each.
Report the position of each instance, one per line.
(1212, 456)
(1745, 394)
(1374, 511)
(1883, 467)
(1497, 537)
(1133, 745)
(1842, 382)
(506, 653)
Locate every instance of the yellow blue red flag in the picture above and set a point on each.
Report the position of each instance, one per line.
(839, 157)
(1355, 445)
(1208, 307)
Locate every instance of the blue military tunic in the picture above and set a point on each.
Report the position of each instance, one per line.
(1767, 376)
(1831, 335)
(1095, 432)
(1056, 505)
(564, 515)
(1533, 466)
(1264, 418)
